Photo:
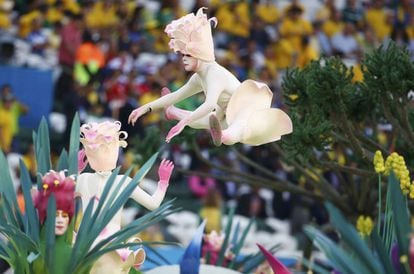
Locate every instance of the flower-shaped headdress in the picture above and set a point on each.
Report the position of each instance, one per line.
(191, 34)
(101, 142)
(63, 189)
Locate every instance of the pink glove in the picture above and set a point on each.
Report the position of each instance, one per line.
(82, 160)
(164, 172)
(175, 130)
(136, 113)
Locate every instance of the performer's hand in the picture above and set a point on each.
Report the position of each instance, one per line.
(82, 160)
(165, 91)
(175, 130)
(164, 172)
(136, 113)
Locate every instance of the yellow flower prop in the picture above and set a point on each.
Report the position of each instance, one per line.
(379, 162)
(396, 163)
(364, 225)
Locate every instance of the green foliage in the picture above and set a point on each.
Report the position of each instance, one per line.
(333, 113)
(150, 144)
(388, 75)
(318, 96)
(353, 254)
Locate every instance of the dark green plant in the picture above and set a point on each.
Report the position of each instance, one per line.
(356, 255)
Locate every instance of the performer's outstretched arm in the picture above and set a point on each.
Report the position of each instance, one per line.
(153, 201)
(190, 88)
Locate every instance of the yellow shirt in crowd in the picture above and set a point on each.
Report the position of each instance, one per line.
(377, 20)
(330, 28)
(268, 13)
(6, 129)
(236, 22)
(213, 217)
(101, 16)
(293, 30)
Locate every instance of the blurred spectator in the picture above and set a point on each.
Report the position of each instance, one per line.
(89, 60)
(403, 13)
(200, 186)
(10, 110)
(378, 19)
(293, 3)
(6, 123)
(211, 210)
(267, 11)
(307, 53)
(345, 43)
(103, 14)
(71, 39)
(325, 11)
(36, 38)
(234, 18)
(353, 13)
(251, 204)
(323, 41)
(293, 27)
(5, 8)
(399, 35)
(259, 34)
(334, 24)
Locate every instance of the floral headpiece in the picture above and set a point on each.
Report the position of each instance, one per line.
(94, 135)
(191, 34)
(63, 189)
(101, 142)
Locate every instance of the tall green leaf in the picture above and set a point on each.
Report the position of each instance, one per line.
(383, 255)
(341, 260)
(50, 233)
(351, 237)
(74, 145)
(42, 147)
(224, 246)
(238, 246)
(400, 214)
(6, 182)
(31, 214)
(63, 162)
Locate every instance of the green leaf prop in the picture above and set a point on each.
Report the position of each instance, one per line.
(340, 259)
(352, 239)
(400, 214)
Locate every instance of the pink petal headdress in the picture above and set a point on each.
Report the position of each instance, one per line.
(191, 34)
(101, 142)
(63, 188)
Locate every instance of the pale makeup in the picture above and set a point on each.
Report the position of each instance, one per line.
(190, 63)
(62, 222)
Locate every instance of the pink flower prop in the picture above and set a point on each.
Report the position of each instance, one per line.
(214, 240)
(97, 134)
(101, 142)
(212, 245)
(63, 189)
(191, 34)
(131, 258)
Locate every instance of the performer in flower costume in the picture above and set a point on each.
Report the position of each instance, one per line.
(233, 111)
(63, 189)
(101, 143)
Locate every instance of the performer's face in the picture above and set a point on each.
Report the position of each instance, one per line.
(62, 222)
(190, 63)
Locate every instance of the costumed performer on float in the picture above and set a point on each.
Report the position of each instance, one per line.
(63, 188)
(234, 112)
(101, 142)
